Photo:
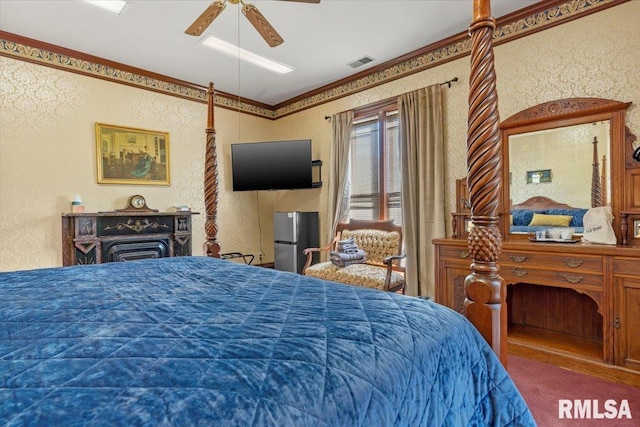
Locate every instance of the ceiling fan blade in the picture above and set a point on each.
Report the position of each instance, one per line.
(206, 18)
(262, 26)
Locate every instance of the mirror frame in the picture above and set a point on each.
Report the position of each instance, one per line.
(568, 112)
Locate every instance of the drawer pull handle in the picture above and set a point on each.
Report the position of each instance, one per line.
(520, 272)
(573, 263)
(572, 279)
(518, 258)
(463, 254)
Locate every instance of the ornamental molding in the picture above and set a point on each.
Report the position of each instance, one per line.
(453, 48)
(137, 225)
(561, 108)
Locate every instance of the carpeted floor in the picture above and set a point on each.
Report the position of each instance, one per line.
(543, 386)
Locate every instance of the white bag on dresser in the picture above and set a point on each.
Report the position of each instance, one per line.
(597, 226)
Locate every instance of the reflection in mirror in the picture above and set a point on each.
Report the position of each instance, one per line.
(569, 165)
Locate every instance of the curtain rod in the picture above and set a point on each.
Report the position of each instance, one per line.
(448, 83)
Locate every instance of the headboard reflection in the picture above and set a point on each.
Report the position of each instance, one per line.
(540, 213)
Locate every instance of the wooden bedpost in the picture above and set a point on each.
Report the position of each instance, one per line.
(211, 245)
(596, 187)
(485, 290)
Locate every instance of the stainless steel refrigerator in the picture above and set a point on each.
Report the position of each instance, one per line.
(293, 232)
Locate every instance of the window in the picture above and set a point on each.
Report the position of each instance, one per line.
(375, 164)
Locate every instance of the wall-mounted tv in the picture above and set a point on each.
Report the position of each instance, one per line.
(274, 165)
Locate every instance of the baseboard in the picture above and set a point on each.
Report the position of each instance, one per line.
(266, 265)
(567, 360)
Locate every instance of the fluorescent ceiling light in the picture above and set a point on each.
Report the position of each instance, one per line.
(115, 6)
(245, 55)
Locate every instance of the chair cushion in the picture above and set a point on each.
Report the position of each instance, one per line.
(365, 275)
(378, 244)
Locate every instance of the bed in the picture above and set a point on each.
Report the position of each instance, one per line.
(198, 340)
(206, 341)
(541, 213)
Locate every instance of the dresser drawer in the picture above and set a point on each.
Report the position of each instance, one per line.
(551, 261)
(626, 266)
(457, 253)
(563, 279)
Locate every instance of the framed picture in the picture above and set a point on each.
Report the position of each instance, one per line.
(636, 228)
(538, 177)
(132, 156)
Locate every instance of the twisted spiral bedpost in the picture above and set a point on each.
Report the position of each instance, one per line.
(596, 187)
(211, 245)
(485, 290)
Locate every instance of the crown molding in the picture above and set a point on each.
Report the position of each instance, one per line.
(537, 17)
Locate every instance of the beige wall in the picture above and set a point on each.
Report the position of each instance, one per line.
(568, 153)
(595, 56)
(48, 154)
(47, 147)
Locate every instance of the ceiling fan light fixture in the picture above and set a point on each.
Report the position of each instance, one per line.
(245, 55)
(114, 6)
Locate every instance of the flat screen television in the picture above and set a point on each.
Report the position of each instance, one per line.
(274, 165)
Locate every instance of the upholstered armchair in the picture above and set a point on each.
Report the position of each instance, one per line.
(381, 242)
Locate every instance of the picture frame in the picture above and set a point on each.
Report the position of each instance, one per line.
(539, 176)
(636, 228)
(128, 155)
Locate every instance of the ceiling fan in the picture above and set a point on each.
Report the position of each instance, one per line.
(259, 22)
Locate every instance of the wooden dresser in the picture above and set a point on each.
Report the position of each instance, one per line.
(573, 304)
(95, 238)
(570, 302)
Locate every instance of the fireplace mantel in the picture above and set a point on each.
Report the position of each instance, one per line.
(95, 238)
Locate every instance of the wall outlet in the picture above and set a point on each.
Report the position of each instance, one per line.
(260, 257)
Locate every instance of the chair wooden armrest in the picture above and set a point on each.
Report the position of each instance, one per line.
(309, 253)
(388, 261)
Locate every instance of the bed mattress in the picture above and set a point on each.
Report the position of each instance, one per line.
(202, 341)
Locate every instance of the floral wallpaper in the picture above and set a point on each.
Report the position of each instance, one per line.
(47, 146)
(48, 154)
(567, 155)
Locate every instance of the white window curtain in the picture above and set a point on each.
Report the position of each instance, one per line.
(422, 168)
(339, 177)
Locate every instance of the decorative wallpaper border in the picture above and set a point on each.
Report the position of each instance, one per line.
(21, 51)
(456, 47)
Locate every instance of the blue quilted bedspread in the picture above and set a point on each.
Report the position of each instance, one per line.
(201, 341)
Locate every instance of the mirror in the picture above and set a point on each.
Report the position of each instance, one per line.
(569, 165)
(561, 158)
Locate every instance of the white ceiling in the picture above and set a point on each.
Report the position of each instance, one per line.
(320, 39)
